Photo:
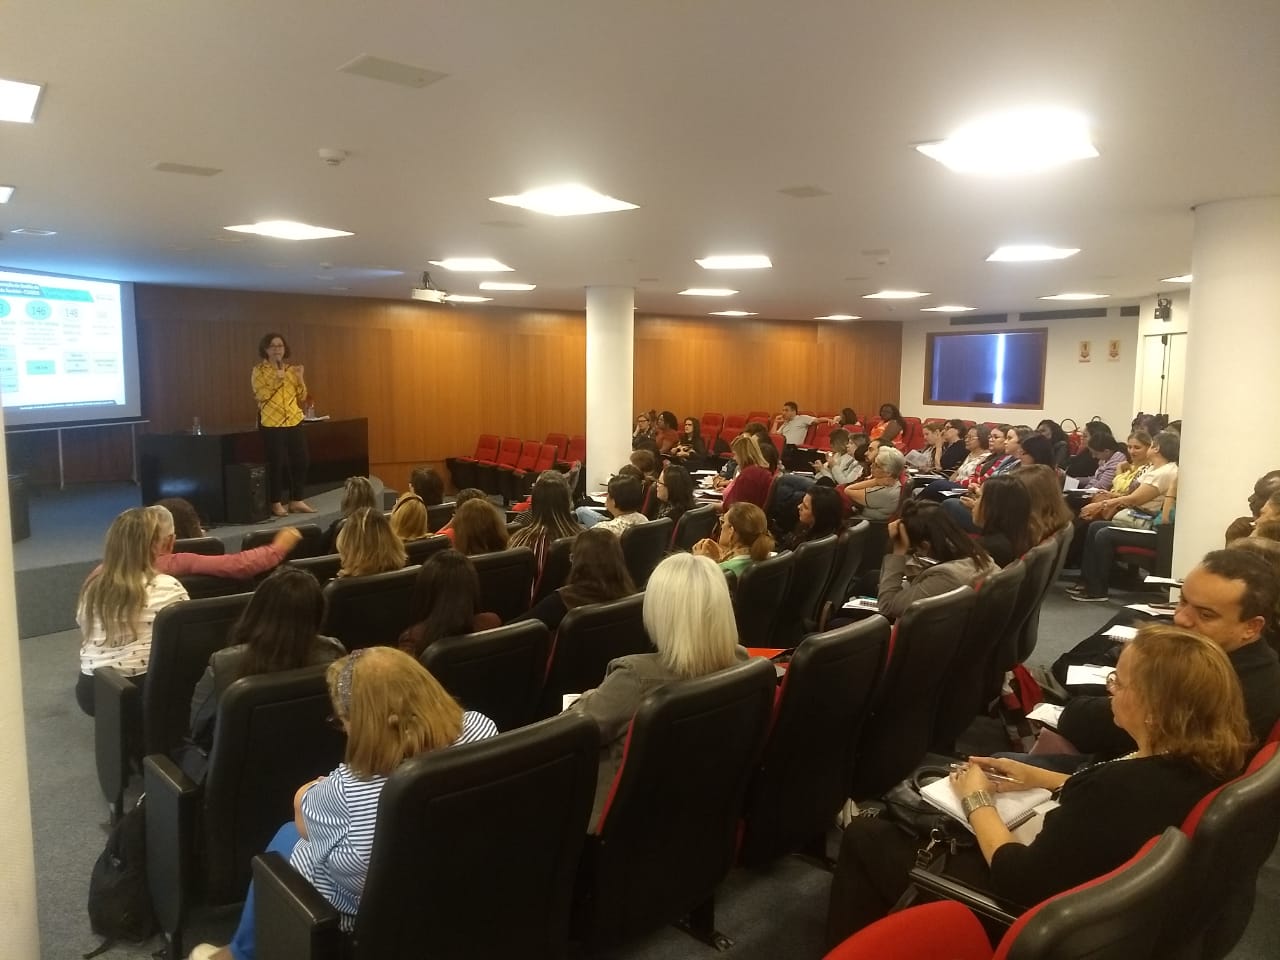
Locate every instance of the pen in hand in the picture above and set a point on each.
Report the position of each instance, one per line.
(991, 775)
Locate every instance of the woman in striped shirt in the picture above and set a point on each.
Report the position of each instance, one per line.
(392, 709)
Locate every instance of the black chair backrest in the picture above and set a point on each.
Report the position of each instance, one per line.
(439, 515)
(208, 546)
(874, 546)
(309, 546)
(271, 738)
(803, 777)
(1039, 561)
(963, 695)
(506, 581)
(644, 546)
(324, 568)
(1030, 632)
(803, 601)
(588, 639)
(520, 800)
(851, 546)
(757, 599)
(370, 611)
(183, 638)
(1119, 917)
(694, 525)
(200, 586)
(898, 734)
(498, 672)
(419, 551)
(555, 568)
(671, 824)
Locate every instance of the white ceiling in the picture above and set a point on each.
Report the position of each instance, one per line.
(700, 111)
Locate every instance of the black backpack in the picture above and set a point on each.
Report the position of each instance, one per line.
(119, 902)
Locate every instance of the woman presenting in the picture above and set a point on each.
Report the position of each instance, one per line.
(281, 392)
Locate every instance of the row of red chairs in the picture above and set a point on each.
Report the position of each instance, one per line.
(509, 465)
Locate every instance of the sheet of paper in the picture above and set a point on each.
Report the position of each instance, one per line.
(953, 493)
(702, 473)
(1088, 674)
(1012, 805)
(1151, 611)
(569, 699)
(1119, 632)
(713, 494)
(1163, 581)
(1046, 713)
(862, 603)
(1071, 483)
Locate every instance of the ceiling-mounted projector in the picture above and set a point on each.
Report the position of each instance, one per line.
(429, 291)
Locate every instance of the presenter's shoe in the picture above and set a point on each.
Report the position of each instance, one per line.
(300, 506)
(278, 510)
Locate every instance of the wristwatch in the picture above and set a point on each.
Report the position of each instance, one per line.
(976, 801)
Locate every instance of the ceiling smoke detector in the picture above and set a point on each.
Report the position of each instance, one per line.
(331, 156)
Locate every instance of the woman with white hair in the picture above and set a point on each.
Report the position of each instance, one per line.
(877, 497)
(689, 617)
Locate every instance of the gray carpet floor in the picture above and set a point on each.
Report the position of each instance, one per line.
(775, 913)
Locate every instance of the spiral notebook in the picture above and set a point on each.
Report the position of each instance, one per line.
(1015, 807)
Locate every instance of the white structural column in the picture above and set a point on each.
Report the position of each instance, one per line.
(610, 355)
(20, 936)
(1232, 387)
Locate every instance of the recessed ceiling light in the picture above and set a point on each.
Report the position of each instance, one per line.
(464, 298)
(1029, 252)
(839, 316)
(33, 232)
(6, 194)
(949, 308)
(472, 265)
(1077, 296)
(1017, 141)
(499, 285)
(1185, 278)
(565, 200)
(289, 230)
(733, 313)
(735, 261)
(895, 295)
(708, 292)
(18, 101)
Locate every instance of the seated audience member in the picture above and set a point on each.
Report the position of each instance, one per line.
(668, 432)
(1264, 490)
(186, 522)
(675, 493)
(891, 427)
(841, 467)
(623, 502)
(772, 458)
(479, 527)
(644, 430)
(465, 494)
(1052, 431)
(953, 447)
(847, 418)
(994, 457)
(878, 497)
(929, 457)
(427, 484)
(977, 447)
(1267, 550)
(279, 630)
(754, 477)
(330, 839)
(794, 427)
(234, 566)
(1126, 480)
(929, 555)
(1125, 520)
(1265, 530)
(597, 574)
(119, 601)
(690, 450)
(1111, 456)
(1003, 514)
(1174, 693)
(820, 514)
(649, 466)
(1036, 450)
(366, 545)
(409, 517)
(1049, 511)
(356, 493)
(689, 617)
(1085, 464)
(445, 602)
(744, 539)
(1231, 597)
(550, 518)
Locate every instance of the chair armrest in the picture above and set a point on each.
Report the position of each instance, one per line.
(945, 888)
(173, 806)
(292, 920)
(117, 732)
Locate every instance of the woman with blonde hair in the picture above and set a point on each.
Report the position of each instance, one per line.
(754, 478)
(367, 545)
(1173, 691)
(689, 617)
(119, 601)
(391, 709)
(479, 527)
(409, 517)
(744, 539)
(357, 493)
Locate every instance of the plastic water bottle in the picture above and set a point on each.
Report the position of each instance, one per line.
(196, 430)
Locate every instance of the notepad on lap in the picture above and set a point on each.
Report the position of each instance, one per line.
(1015, 807)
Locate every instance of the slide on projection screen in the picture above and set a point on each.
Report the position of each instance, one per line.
(68, 349)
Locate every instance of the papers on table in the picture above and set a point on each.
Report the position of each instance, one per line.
(1163, 581)
(597, 494)
(1088, 674)
(1046, 713)
(1118, 632)
(1151, 611)
(703, 473)
(1015, 807)
(713, 494)
(954, 493)
(862, 603)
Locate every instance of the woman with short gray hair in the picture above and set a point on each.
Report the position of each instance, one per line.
(878, 497)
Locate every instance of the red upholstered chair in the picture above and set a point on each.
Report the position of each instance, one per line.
(735, 421)
(463, 469)
(827, 414)
(487, 470)
(1158, 558)
(1118, 916)
(713, 421)
(560, 441)
(506, 476)
(577, 451)
(778, 442)
(759, 416)
(913, 433)
(520, 480)
(726, 437)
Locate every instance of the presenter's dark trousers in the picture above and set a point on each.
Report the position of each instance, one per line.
(287, 461)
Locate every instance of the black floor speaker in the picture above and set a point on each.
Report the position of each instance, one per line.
(245, 490)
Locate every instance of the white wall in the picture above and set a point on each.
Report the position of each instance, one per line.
(1081, 391)
(1149, 327)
